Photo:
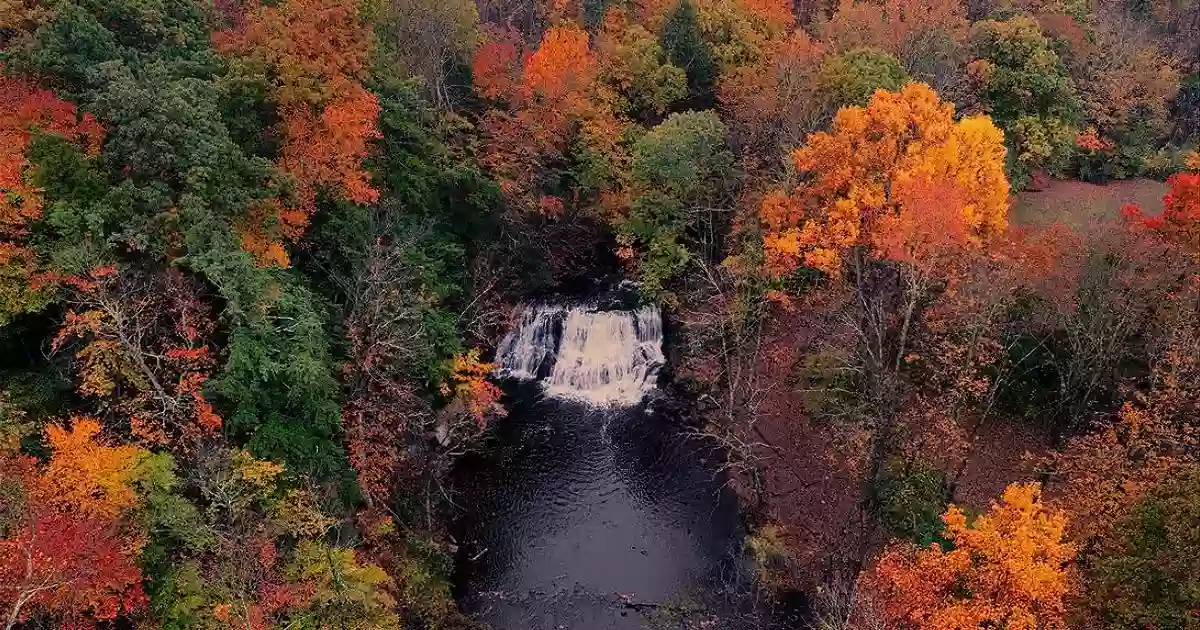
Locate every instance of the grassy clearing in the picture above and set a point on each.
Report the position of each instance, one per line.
(1080, 204)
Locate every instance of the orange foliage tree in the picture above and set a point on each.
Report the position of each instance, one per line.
(1007, 569)
(774, 101)
(24, 110)
(552, 99)
(469, 385)
(315, 53)
(886, 178)
(70, 553)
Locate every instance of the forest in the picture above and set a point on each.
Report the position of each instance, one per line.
(256, 256)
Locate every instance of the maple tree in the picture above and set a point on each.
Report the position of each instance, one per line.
(68, 552)
(316, 53)
(77, 569)
(94, 479)
(552, 91)
(1007, 568)
(26, 110)
(1180, 217)
(468, 384)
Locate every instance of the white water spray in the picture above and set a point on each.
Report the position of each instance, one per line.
(602, 357)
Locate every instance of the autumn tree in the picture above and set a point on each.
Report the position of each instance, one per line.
(740, 31)
(68, 549)
(682, 172)
(216, 150)
(640, 79)
(395, 343)
(1024, 85)
(26, 110)
(1103, 472)
(472, 394)
(1127, 82)
(895, 211)
(1006, 568)
(247, 553)
(927, 36)
(899, 180)
(552, 104)
(1180, 217)
(773, 104)
(884, 152)
(315, 54)
(1109, 290)
(78, 571)
(1144, 576)
(145, 351)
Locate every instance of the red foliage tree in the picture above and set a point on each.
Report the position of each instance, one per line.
(69, 553)
(145, 350)
(68, 567)
(316, 53)
(551, 100)
(1180, 218)
(24, 109)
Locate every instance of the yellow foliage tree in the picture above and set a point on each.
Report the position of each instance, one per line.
(1008, 570)
(874, 172)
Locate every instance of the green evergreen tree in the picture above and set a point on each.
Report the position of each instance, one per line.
(686, 49)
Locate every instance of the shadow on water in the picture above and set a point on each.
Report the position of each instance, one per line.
(592, 519)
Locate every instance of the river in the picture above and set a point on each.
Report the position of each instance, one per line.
(594, 505)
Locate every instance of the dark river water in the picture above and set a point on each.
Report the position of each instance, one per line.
(588, 519)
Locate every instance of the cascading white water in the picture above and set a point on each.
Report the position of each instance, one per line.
(602, 357)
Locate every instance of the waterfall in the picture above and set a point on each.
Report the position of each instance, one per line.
(598, 356)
